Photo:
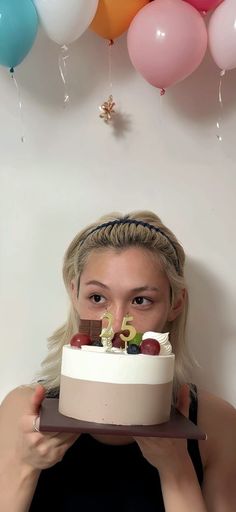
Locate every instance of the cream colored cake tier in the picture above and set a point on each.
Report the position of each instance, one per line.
(115, 387)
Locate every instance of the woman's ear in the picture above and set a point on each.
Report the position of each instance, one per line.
(178, 305)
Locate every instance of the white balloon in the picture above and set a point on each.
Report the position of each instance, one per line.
(222, 35)
(65, 20)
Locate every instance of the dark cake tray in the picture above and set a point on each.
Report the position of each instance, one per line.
(177, 427)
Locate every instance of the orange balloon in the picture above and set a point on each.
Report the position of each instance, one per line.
(113, 17)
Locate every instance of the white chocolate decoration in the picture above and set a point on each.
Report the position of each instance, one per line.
(106, 339)
(107, 332)
(162, 338)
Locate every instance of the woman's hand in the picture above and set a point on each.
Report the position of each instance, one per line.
(168, 455)
(180, 488)
(36, 449)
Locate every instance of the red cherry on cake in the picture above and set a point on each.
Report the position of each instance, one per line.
(80, 339)
(150, 346)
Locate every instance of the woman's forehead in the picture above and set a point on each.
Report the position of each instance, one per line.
(125, 254)
(132, 262)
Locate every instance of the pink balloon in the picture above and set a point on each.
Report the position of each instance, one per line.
(222, 35)
(204, 5)
(167, 41)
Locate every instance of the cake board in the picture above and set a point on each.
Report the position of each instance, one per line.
(178, 427)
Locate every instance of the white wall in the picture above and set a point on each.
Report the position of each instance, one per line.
(72, 167)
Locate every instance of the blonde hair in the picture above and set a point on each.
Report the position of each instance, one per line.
(161, 242)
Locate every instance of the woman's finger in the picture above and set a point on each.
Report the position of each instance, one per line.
(36, 399)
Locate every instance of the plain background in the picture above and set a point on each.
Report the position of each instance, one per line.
(159, 154)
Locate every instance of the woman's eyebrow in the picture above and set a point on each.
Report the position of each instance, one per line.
(133, 290)
(146, 288)
(97, 283)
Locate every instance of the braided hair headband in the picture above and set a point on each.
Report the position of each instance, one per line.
(137, 223)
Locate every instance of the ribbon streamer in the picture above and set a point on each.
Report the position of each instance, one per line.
(107, 109)
(218, 124)
(62, 63)
(12, 71)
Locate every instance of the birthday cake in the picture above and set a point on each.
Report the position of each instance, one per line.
(124, 380)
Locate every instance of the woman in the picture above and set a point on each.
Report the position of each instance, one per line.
(125, 264)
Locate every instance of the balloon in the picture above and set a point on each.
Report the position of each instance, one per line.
(65, 20)
(113, 17)
(222, 35)
(18, 29)
(204, 5)
(167, 41)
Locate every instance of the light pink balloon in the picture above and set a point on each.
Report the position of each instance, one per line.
(204, 5)
(167, 41)
(222, 35)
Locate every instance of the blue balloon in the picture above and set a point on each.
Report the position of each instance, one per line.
(18, 30)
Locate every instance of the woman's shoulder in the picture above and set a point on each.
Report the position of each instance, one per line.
(214, 410)
(217, 418)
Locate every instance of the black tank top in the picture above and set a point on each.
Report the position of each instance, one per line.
(98, 477)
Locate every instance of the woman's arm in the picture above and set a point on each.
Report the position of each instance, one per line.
(179, 484)
(219, 485)
(17, 486)
(180, 487)
(17, 479)
(181, 490)
(23, 451)
(218, 418)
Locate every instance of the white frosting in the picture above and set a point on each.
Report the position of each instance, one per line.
(162, 338)
(117, 368)
(93, 348)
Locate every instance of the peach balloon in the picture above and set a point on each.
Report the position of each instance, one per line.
(113, 17)
(167, 41)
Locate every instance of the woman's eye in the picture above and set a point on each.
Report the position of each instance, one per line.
(97, 299)
(141, 301)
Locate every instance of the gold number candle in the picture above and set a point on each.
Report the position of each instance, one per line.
(126, 327)
(107, 333)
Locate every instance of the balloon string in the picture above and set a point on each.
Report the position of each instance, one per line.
(63, 56)
(111, 42)
(218, 124)
(12, 71)
(161, 112)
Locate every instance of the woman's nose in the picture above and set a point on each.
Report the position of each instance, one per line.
(118, 316)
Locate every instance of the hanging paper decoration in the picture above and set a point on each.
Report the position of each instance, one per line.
(18, 30)
(167, 41)
(107, 109)
(112, 19)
